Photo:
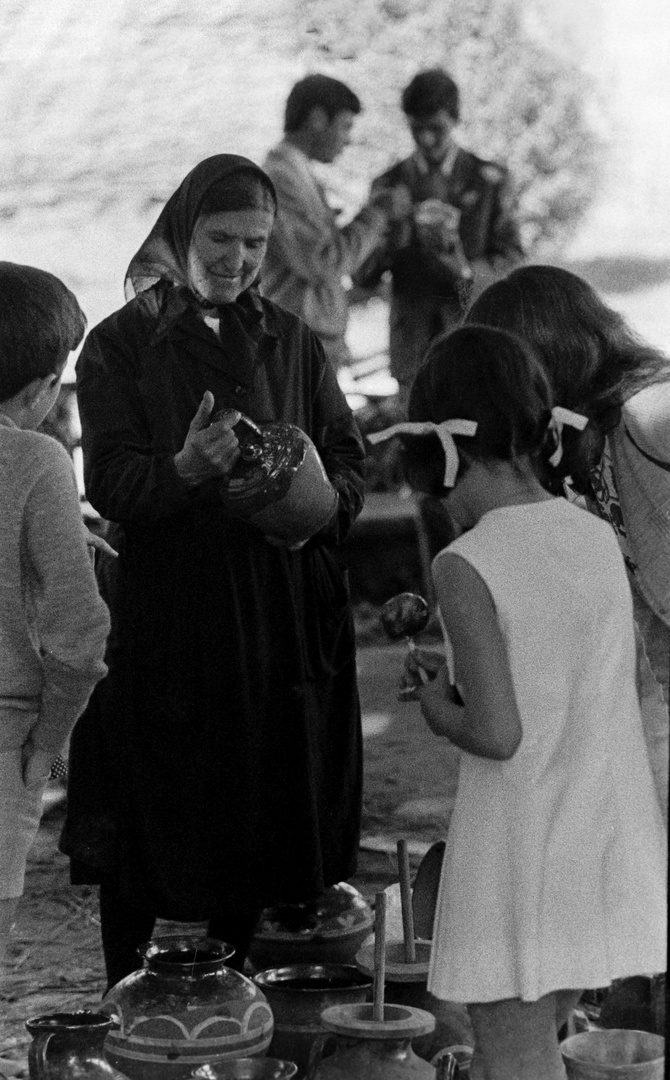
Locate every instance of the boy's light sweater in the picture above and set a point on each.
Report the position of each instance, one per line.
(53, 623)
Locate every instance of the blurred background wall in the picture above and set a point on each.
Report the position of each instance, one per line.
(104, 107)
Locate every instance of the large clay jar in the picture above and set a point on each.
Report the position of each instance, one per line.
(185, 1008)
(298, 994)
(279, 483)
(69, 1046)
(358, 1047)
(324, 931)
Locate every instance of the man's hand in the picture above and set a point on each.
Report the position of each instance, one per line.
(211, 449)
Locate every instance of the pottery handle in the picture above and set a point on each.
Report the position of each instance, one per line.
(43, 1066)
(316, 1054)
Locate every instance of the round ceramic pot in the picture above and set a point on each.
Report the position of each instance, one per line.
(324, 931)
(248, 1069)
(614, 1054)
(67, 1045)
(279, 483)
(185, 1008)
(298, 994)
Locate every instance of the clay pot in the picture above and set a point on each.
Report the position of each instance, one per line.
(324, 931)
(67, 1045)
(185, 1008)
(248, 1069)
(298, 994)
(358, 1047)
(614, 1054)
(279, 483)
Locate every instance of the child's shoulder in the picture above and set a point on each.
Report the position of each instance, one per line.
(29, 453)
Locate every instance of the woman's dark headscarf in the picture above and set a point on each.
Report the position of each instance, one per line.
(220, 183)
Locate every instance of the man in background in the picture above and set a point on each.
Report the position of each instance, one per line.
(459, 235)
(309, 257)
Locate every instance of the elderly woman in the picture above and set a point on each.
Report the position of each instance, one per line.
(219, 767)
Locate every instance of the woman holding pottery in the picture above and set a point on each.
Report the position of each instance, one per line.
(218, 769)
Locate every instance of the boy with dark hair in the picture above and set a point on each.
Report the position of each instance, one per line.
(53, 624)
(308, 254)
(459, 234)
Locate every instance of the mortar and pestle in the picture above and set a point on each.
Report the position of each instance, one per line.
(372, 1041)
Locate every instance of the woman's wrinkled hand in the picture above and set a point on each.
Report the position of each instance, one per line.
(211, 448)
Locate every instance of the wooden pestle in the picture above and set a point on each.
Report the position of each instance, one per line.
(380, 957)
(406, 902)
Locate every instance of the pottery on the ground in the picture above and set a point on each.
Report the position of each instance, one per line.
(324, 931)
(67, 1046)
(358, 1047)
(257, 1068)
(184, 1009)
(298, 994)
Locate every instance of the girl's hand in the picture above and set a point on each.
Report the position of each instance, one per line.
(36, 765)
(421, 666)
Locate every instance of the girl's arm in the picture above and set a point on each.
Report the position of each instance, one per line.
(488, 725)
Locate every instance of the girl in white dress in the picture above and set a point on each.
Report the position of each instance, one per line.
(554, 873)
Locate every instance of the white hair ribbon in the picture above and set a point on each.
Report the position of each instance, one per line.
(560, 417)
(444, 431)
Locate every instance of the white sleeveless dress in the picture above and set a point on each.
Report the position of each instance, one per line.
(555, 866)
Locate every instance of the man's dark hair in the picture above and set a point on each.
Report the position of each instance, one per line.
(318, 91)
(40, 324)
(430, 91)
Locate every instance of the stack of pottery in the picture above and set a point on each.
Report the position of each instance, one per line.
(324, 931)
(185, 1009)
(298, 994)
(356, 1046)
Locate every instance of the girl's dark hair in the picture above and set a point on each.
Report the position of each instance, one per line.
(40, 324)
(593, 359)
(244, 189)
(486, 375)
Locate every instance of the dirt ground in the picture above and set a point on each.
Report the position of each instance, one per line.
(55, 961)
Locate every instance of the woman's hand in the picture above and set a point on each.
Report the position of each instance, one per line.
(36, 765)
(98, 543)
(211, 449)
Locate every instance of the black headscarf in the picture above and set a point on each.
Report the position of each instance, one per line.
(164, 253)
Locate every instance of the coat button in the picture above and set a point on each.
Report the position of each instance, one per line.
(240, 389)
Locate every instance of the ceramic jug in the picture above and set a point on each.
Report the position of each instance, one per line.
(69, 1046)
(358, 1047)
(279, 483)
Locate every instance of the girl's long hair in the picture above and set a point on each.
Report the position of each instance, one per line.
(594, 360)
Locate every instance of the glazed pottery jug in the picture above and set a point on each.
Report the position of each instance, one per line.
(324, 931)
(298, 994)
(279, 483)
(69, 1046)
(358, 1047)
(185, 1008)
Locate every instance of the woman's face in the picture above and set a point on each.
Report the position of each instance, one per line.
(226, 252)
